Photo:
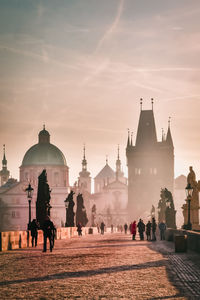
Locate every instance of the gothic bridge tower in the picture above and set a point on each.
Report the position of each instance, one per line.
(150, 166)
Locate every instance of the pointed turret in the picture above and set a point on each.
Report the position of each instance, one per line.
(128, 140)
(169, 140)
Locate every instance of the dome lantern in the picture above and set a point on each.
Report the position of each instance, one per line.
(44, 136)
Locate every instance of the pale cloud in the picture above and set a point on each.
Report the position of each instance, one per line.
(112, 28)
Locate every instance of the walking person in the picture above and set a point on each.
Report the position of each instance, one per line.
(133, 230)
(112, 228)
(148, 231)
(153, 228)
(162, 227)
(141, 229)
(48, 230)
(79, 229)
(34, 226)
(125, 228)
(102, 226)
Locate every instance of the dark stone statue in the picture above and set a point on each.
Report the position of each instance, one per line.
(170, 213)
(81, 216)
(94, 209)
(70, 210)
(43, 198)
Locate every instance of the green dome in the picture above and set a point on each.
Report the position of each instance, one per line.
(44, 154)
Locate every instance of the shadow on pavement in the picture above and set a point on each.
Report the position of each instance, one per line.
(88, 273)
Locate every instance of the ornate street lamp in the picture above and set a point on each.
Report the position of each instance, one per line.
(189, 190)
(66, 206)
(29, 191)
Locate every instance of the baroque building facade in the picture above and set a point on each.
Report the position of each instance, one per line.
(40, 156)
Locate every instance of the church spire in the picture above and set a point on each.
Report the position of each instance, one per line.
(118, 165)
(84, 161)
(169, 140)
(4, 173)
(4, 161)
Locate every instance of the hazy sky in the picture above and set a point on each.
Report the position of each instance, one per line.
(81, 66)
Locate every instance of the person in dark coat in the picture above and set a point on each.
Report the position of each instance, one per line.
(79, 229)
(141, 229)
(125, 228)
(153, 228)
(162, 228)
(148, 231)
(34, 226)
(48, 232)
(102, 226)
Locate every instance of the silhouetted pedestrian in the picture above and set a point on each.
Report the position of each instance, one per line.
(133, 230)
(125, 228)
(79, 229)
(112, 228)
(148, 231)
(48, 231)
(102, 226)
(34, 226)
(141, 229)
(162, 228)
(153, 228)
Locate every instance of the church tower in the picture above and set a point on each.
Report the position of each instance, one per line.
(150, 165)
(84, 180)
(4, 173)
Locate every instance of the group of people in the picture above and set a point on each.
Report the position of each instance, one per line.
(149, 229)
(49, 232)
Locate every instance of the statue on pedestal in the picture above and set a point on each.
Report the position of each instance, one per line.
(81, 216)
(43, 198)
(93, 215)
(70, 210)
(194, 205)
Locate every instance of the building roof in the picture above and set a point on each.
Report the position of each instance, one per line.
(44, 153)
(106, 172)
(146, 133)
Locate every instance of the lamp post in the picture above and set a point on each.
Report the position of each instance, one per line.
(29, 191)
(189, 191)
(66, 206)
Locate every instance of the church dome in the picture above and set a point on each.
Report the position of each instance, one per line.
(44, 153)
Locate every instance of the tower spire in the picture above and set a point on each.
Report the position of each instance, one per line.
(141, 100)
(4, 173)
(4, 161)
(169, 136)
(128, 141)
(152, 102)
(131, 138)
(169, 122)
(84, 161)
(118, 165)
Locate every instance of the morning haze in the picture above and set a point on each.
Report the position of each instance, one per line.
(80, 68)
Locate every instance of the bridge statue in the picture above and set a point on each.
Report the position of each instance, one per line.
(194, 205)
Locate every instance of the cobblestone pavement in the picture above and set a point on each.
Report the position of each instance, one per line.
(100, 267)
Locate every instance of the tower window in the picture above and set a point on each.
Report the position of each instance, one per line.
(155, 171)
